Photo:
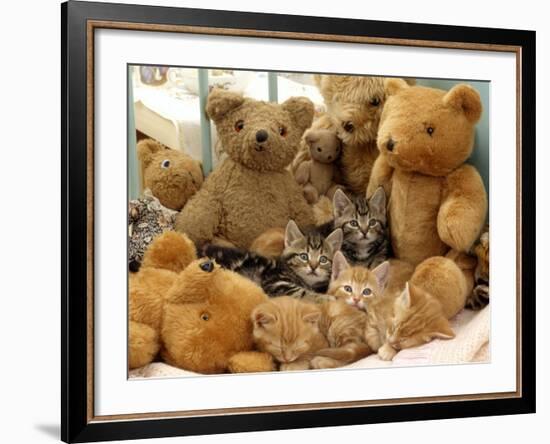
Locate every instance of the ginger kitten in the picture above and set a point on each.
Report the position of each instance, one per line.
(302, 335)
(422, 313)
(373, 291)
(288, 329)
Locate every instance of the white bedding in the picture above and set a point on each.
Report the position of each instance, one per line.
(471, 344)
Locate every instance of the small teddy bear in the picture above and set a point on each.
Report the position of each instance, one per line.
(170, 178)
(317, 174)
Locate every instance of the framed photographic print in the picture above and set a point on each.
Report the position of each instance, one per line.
(275, 221)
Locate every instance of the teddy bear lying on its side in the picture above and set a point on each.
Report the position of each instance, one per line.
(192, 313)
(170, 178)
(251, 191)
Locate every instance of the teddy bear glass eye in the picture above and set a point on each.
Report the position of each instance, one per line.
(205, 317)
(375, 101)
(165, 163)
(282, 131)
(430, 130)
(239, 125)
(348, 127)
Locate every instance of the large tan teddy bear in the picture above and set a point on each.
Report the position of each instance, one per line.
(251, 190)
(191, 313)
(437, 202)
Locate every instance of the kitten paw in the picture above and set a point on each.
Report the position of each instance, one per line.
(296, 365)
(386, 352)
(320, 362)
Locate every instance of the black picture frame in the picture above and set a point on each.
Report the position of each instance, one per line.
(76, 423)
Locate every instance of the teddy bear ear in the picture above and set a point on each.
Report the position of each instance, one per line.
(220, 102)
(146, 149)
(393, 85)
(465, 98)
(301, 111)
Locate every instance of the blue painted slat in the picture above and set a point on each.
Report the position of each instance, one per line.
(133, 163)
(273, 87)
(206, 136)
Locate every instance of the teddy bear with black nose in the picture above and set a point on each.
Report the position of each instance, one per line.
(251, 191)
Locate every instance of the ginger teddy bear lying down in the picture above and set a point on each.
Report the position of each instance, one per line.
(192, 313)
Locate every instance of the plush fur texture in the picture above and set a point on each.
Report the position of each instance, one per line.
(270, 243)
(172, 176)
(317, 174)
(196, 314)
(250, 191)
(436, 202)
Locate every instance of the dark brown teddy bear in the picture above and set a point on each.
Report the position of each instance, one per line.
(251, 190)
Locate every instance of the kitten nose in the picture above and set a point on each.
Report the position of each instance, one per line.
(261, 136)
(390, 144)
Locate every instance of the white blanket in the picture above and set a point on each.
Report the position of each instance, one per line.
(471, 344)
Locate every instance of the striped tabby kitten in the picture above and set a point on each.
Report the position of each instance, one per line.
(365, 227)
(302, 271)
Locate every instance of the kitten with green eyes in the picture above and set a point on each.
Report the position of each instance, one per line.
(364, 225)
(373, 291)
(302, 271)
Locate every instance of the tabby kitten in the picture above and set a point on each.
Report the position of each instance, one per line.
(302, 271)
(480, 294)
(301, 335)
(365, 227)
(288, 329)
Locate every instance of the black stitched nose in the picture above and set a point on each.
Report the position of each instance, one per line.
(261, 136)
(207, 266)
(390, 144)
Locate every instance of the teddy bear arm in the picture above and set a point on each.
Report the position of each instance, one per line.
(381, 176)
(302, 172)
(300, 211)
(201, 217)
(250, 362)
(143, 344)
(463, 210)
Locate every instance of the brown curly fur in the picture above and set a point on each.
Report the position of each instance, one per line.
(172, 185)
(195, 319)
(251, 191)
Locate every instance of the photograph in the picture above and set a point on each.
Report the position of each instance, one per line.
(283, 221)
(289, 221)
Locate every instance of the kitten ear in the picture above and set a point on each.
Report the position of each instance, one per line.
(313, 317)
(335, 239)
(377, 204)
(443, 330)
(340, 202)
(382, 272)
(260, 318)
(339, 264)
(406, 297)
(292, 233)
